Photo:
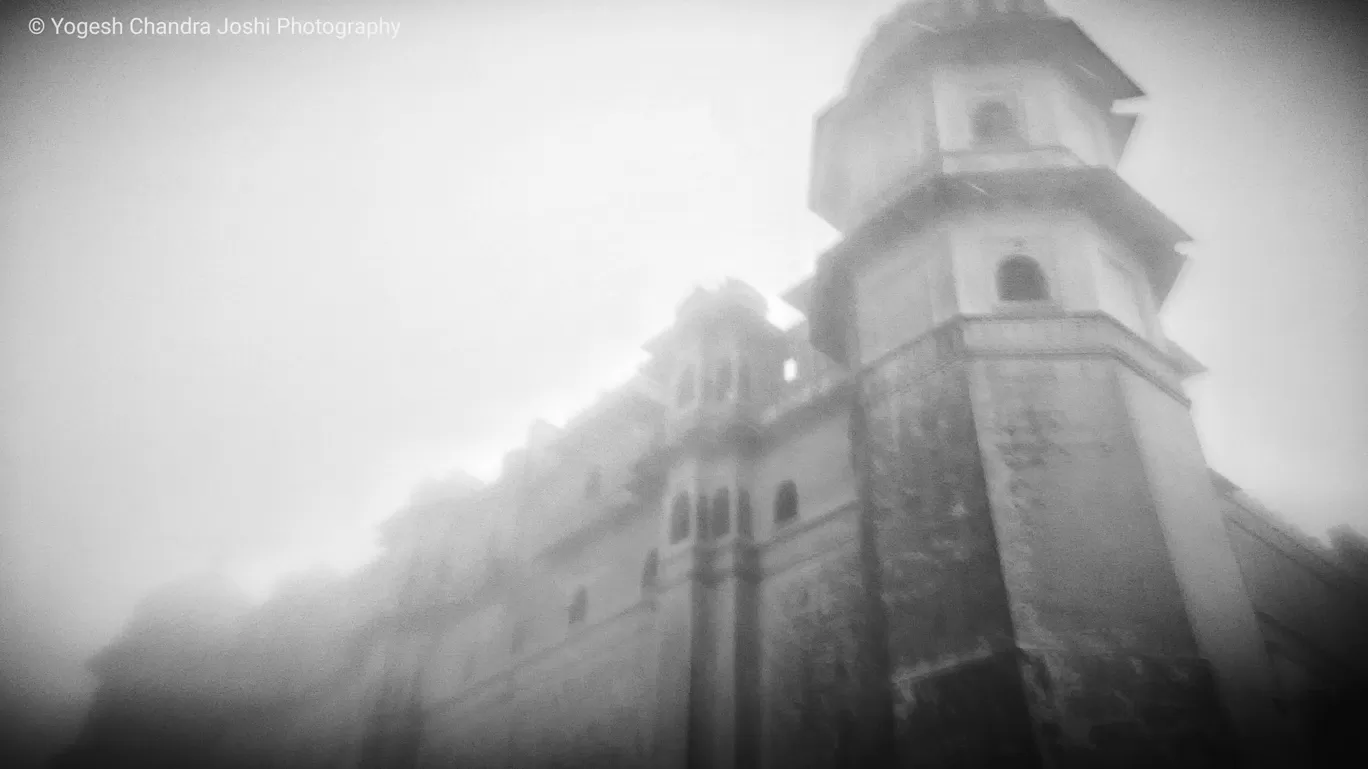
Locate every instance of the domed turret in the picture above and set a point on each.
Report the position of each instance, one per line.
(949, 86)
(900, 29)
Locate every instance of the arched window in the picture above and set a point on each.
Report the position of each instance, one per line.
(703, 532)
(790, 370)
(721, 513)
(1020, 279)
(593, 484)
(579, 606)
(786, 502)
(685, 393)
(744, 515)
(650, 571)
(679, 518)
(994, 123)
(722, 381)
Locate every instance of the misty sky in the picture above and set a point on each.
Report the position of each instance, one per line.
(253, 290)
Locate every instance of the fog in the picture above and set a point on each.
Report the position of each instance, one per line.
(254, 291)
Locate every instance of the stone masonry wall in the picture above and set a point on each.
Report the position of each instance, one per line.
(956, 695)
(810, 646)
(1111, 669)
(587, 702)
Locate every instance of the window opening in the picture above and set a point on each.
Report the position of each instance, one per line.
(744, 515)
(703, 532)
(650, 571)
(721, 513)
(1020, 279)
(579, 606)
(679, 518)
(786, 502)
(994, 123)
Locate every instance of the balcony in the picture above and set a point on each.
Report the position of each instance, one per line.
(712, 420)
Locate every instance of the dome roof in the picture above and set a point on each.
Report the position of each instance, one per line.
(916, 18)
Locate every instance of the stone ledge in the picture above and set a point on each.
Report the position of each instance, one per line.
(979, 336)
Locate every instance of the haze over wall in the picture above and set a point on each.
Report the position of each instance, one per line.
(253, 290)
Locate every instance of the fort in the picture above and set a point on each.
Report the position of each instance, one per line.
(957, 517)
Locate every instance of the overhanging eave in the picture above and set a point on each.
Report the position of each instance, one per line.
(1096, 191)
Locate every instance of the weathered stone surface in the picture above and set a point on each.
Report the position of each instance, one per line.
(969, 713)
(942, 586)
(593, 707)
(1125, 711)
(813, 666)
(944, 602)
(1083, 551)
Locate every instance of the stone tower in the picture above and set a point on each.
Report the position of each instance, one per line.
(1057, 586)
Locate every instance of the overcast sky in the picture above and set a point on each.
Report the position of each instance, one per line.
(252, 290)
